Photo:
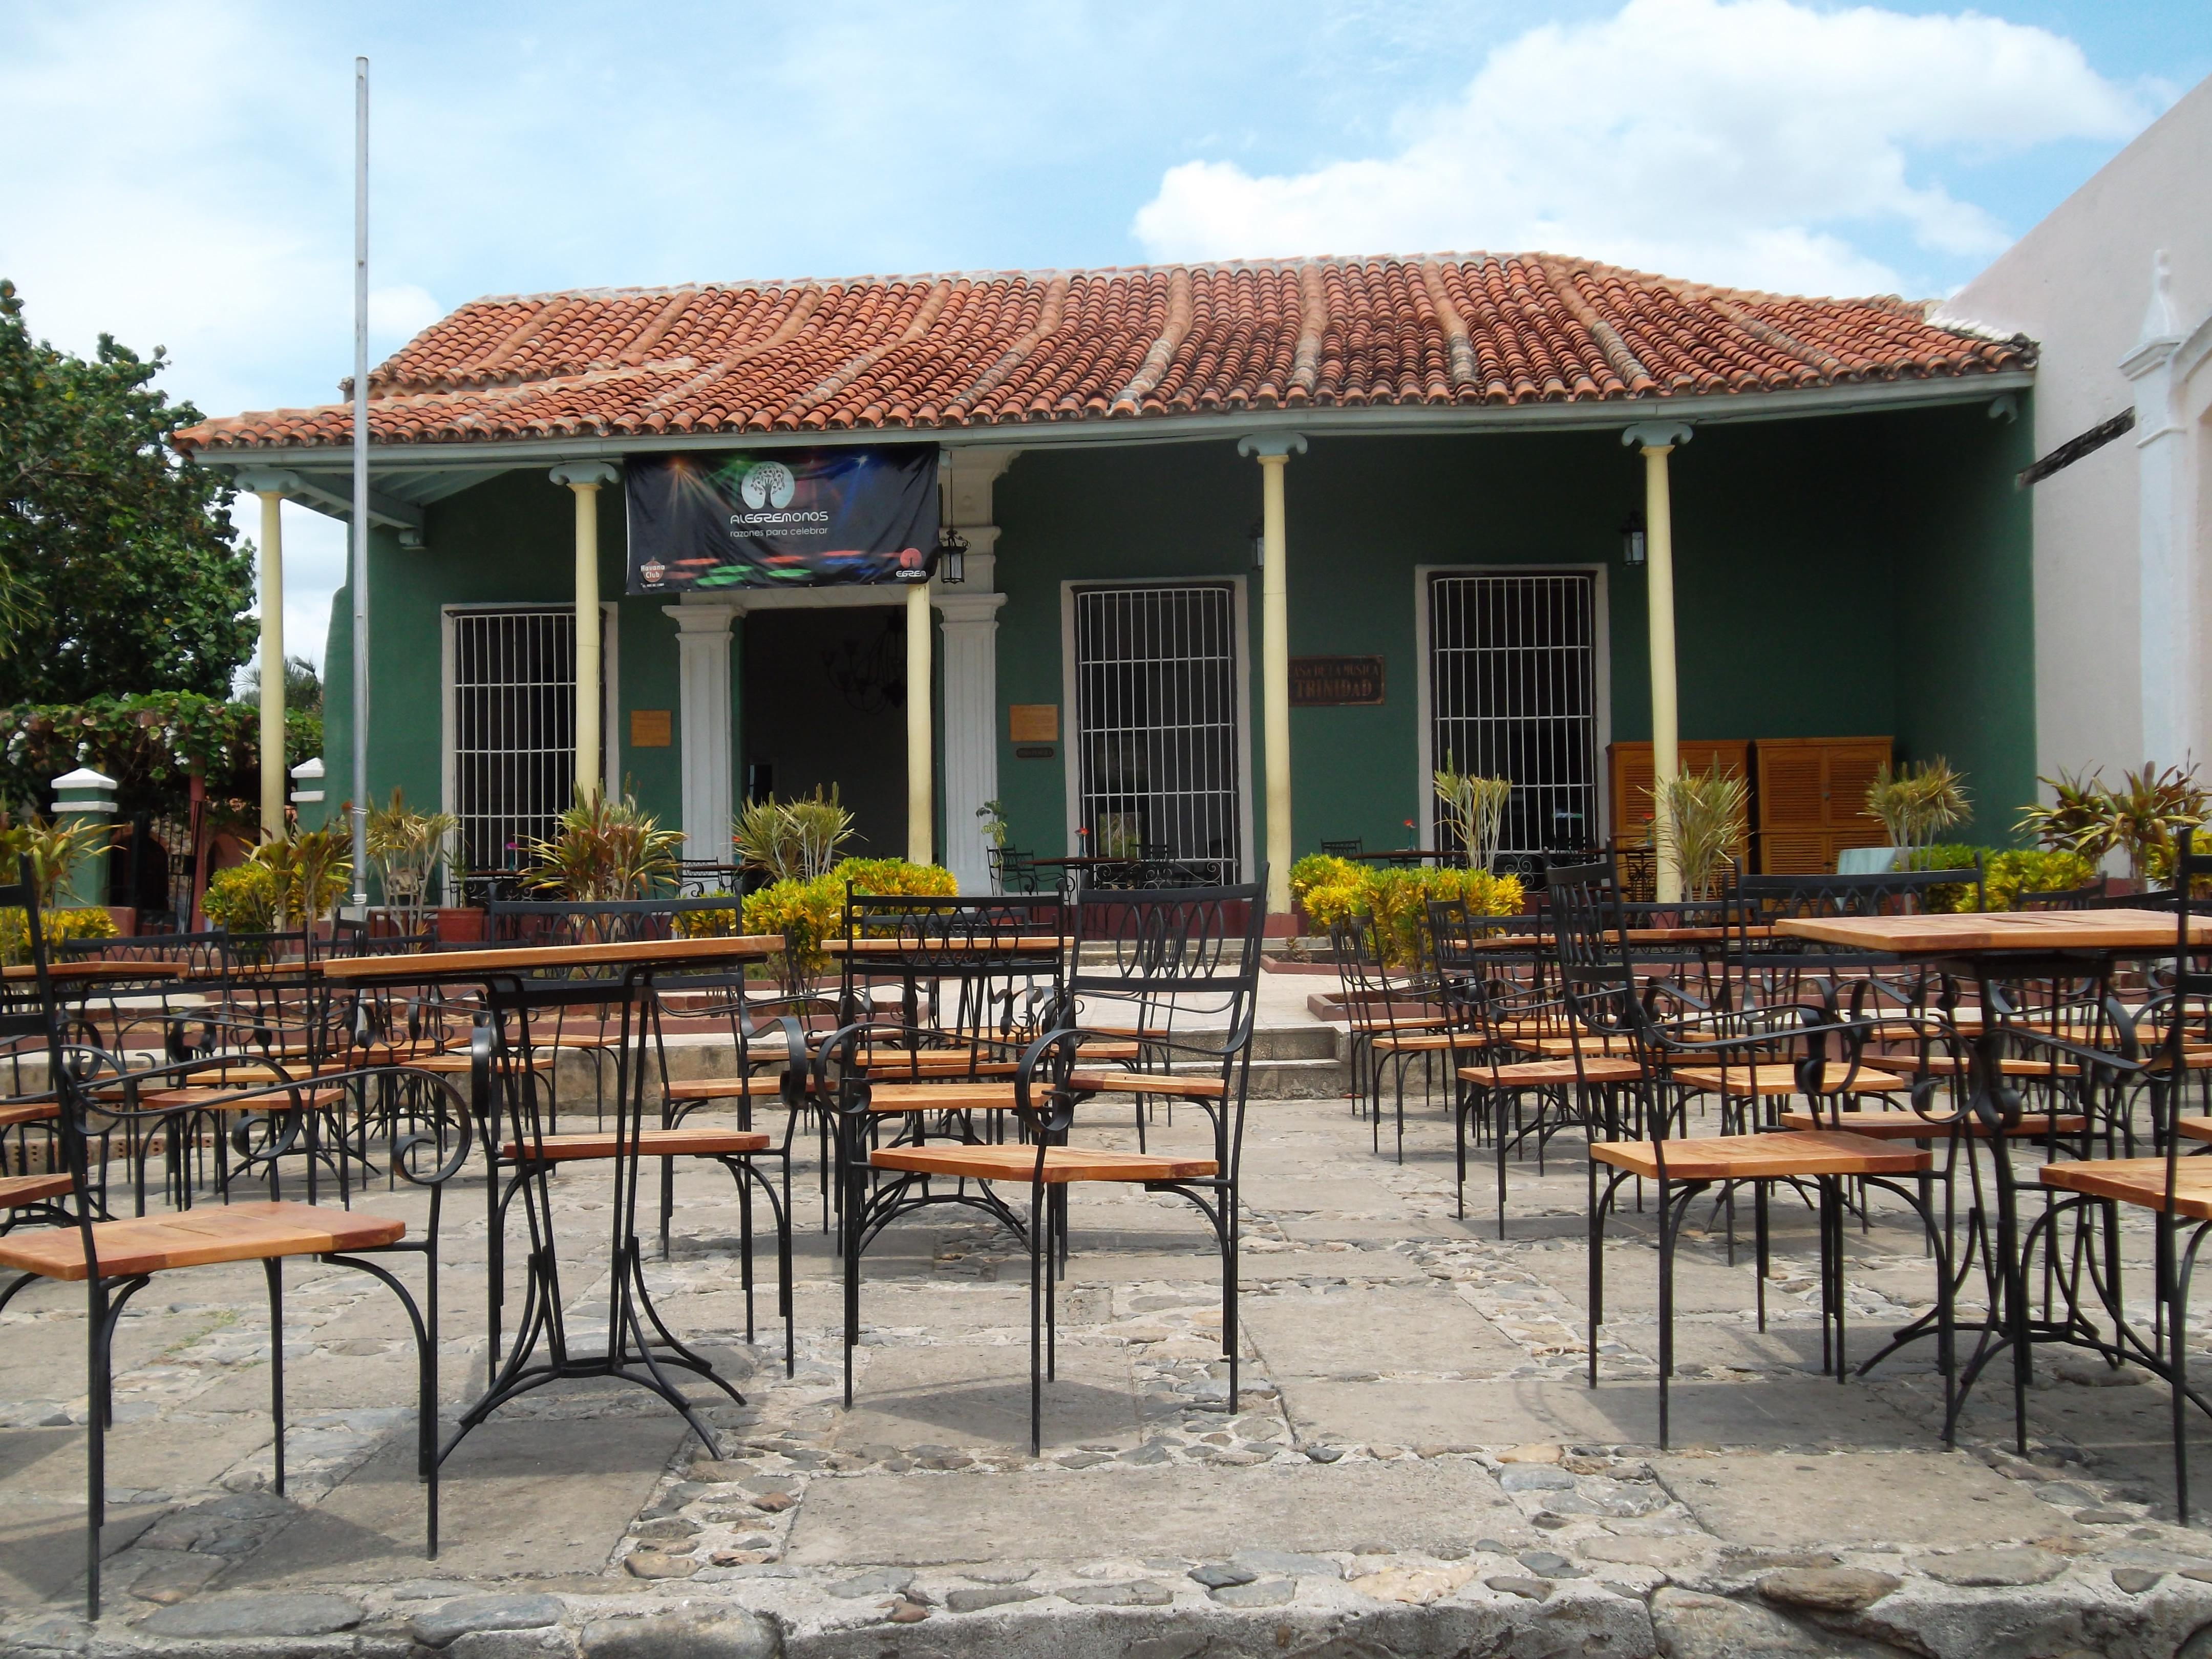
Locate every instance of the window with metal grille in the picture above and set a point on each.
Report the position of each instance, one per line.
(1156, 721)
(1512, 694)
(514, 729)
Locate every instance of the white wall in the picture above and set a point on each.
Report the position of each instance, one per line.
(2079, 283)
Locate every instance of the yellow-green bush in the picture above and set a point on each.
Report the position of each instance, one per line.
(58, 925)
(242, 899)
(1333, 889)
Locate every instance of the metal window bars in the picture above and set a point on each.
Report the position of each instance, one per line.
(1156, 723)
(514, 729)
(1512, 676)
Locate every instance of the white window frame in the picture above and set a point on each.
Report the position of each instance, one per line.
(610, 678)
(1240, 645)
(1601, 685)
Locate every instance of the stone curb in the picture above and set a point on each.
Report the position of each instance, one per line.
(1318, 1616)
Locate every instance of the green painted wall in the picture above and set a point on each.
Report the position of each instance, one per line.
(1864, 576)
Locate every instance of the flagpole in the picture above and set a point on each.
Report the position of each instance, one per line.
(361, 526)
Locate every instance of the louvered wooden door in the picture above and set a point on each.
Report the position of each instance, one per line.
(1811, 800)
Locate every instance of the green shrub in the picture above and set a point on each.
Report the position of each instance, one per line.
(242, 899)
(2033, 870)
(58, 925)
(805, 913)
(1332, 890)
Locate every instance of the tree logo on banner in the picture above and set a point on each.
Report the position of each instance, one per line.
(769, 484)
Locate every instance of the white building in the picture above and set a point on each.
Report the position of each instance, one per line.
(2115, 285)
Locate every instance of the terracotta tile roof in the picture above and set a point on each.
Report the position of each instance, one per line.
(898, 354)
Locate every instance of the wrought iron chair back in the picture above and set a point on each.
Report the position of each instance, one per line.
(606, 921)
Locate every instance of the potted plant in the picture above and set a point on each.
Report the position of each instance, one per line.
(1916, 804)
(1703, 824)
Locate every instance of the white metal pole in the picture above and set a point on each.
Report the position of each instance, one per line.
(361, 485)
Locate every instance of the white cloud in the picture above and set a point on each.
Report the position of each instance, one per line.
(1737, 141)
(398, 314)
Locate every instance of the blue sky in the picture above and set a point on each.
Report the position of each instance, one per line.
(182, 176)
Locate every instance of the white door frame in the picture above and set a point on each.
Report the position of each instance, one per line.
(1240, 674)
(1601, 679)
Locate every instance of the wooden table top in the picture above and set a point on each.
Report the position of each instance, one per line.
(1023, 944)
(479, 964)
(1636, 936)
(98, 968)
(1976, 932)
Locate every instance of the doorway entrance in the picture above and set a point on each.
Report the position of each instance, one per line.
(823, 700)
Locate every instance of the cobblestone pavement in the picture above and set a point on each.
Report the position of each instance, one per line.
(1415, 1465)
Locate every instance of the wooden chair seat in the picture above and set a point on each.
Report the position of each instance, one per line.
(1403, 1041)
(214, 1099)
(1193, 1087)
(190, 1238)
(893, 1063)
(1062, 1164)
(26, 1111)
(752, 1087)
(1111, 1049)
(1545, 1073)
(1910, 1126)
(16, 1191)
(458, 1065)
(984, 1097)
(2194, 1128)
(1585, 1045)
(1149, 1033)
(2137, 1181)
(1744, 1082)
(650, 1143)
(1764, 1157)
(1954, 1066)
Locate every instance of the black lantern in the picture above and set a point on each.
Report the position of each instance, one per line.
(1631, 540)
(951, 556)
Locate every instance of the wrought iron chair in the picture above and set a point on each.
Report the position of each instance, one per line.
(1606, 1001)
(2175, 1186)
(1195, 945)
(1013, 870)
(114, 1260)
(1394, 1021)
(1349, 848)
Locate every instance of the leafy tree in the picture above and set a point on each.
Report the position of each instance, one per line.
(117, 571)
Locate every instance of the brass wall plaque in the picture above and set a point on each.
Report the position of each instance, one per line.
(1033, 722)
(649, 728)
(1336, 682)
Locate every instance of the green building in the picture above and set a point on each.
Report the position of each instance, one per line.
(1250, 549)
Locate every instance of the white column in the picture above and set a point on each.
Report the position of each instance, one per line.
(920, 751)
(970, 623)
(2167, 625)
(1273, 454)
(702, 680)
(1658, 440)
(584, 479)
(271, 487)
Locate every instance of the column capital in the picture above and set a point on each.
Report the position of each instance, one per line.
(585, 474)
(710, 618)
(265, 481)
(1277, 447)
(959, 609)
(1660, 435)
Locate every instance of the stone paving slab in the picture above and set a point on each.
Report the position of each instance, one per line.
(519, 1498)
(1147, 1512)
(1802, 1502)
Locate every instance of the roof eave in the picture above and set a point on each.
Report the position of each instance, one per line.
(1725, 408)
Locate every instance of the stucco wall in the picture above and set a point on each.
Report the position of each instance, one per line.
(2079, 283)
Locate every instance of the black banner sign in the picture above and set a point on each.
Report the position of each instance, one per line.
(1336, 682)
(782, 518)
